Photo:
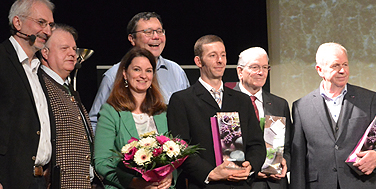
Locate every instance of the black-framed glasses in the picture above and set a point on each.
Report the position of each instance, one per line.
(150, 32)
(257, 68)
(41, 22)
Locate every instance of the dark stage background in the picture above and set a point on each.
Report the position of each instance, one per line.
(101, 26)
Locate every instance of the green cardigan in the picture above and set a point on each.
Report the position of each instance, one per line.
(114, 129)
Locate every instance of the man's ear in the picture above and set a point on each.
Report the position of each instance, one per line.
(17, 23)
(198, 61)
(131, 39)
(319, 70)
(239, 70)
(44, 53)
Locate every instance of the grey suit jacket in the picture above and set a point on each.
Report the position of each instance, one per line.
(277, 106)
(318, 157)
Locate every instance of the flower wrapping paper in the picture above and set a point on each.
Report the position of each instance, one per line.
(159, 173)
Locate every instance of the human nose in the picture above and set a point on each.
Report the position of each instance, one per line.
(261, 71)
(155, 35)
(143, 74)
(72, 52)
(47, 30)
(220, 59)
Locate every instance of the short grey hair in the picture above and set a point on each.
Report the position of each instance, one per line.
(322, 52)
(22, 8)
(250, 54)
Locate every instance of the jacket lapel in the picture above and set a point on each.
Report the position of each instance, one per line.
(318, 104)
(128, 123)
(18, 66)
(267, 103)
(347, 107)
(205, 96)
(161, 123)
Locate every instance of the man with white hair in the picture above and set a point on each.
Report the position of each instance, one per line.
(328, 124)
(25, 139)
(252, 71)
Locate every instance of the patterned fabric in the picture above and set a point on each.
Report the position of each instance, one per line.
(217, 96)
(72, 146)
(253, 98)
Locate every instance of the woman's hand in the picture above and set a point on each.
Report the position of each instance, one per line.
(138, 182)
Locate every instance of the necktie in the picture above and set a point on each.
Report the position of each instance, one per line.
(253, 98)
(217, 96)
(67, 87)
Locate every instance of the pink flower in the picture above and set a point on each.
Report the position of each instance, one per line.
(182, 142)
(130, 154)
(162, 139)
(157, 151)
(132, 139)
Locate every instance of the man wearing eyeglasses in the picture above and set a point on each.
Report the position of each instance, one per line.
(145, 30)
(252, 71)
(25, 139)
(328, 124)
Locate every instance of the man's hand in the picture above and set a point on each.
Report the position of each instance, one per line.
(275, 176)
(366, 162)
(241, 176)
(283, 172)
(223, 173)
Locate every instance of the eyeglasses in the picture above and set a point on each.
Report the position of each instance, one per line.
(150, 32)
(42, 22)
(257, 68)
(338, 67)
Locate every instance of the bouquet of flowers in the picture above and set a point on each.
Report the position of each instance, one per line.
(155, 155)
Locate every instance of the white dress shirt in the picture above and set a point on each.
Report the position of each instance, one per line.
(258, 101)
(45, 147)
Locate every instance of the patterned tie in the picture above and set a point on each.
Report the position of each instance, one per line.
(253, 98)
(217, 97)
(67, 87)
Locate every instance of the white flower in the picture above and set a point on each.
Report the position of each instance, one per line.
(142, 156)
(148, 142)
(128, 147)
(171, 148)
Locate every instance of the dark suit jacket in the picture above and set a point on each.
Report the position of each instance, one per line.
(318, 157)
(277, 106)
(188, 115)
(19, 122)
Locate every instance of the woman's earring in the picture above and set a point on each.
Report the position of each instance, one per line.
(126, 83)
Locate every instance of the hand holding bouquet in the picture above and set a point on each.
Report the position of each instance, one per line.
(155, 155)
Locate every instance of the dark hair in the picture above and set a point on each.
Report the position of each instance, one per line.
(121, 97)
(206, 39)
(132, 24)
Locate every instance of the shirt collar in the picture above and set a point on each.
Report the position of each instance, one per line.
(54, 75)
(161, 63)
(20, 52)
(326, 96)
(208, 87)
(258, 95)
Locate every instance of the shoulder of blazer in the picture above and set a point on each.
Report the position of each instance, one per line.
(7, 51)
